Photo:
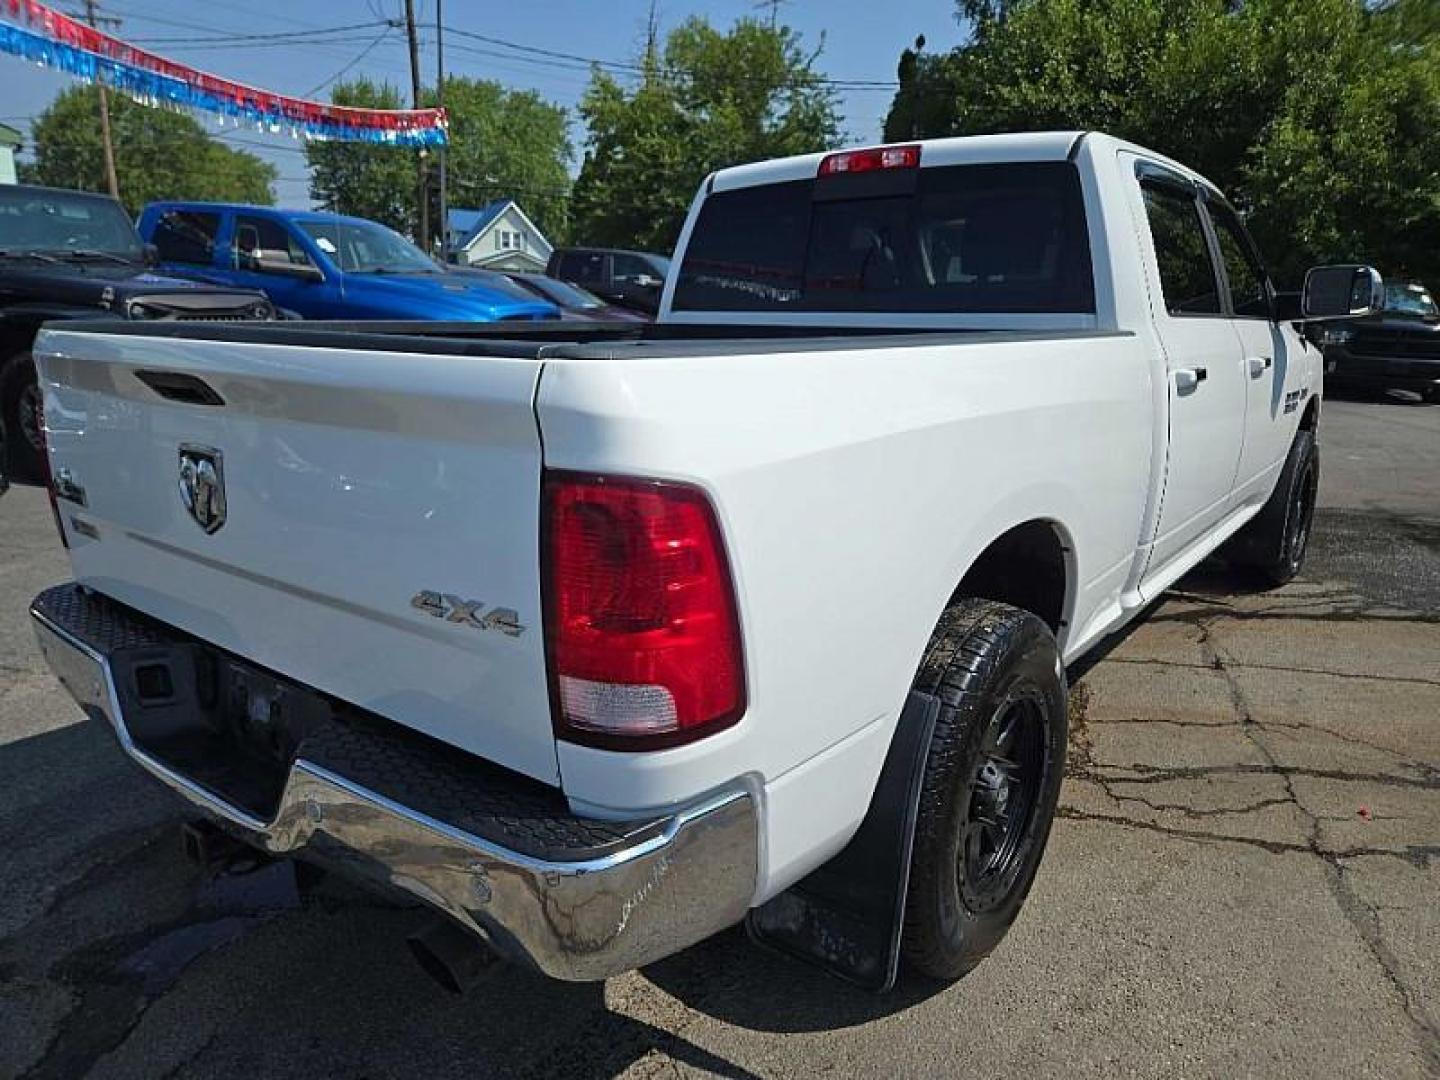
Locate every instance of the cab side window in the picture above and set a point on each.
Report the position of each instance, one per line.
(1249, 294)
(262, 245)
(1187, 272)
(185, 236)
(634, 268)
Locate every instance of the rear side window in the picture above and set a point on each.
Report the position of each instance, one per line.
(969, 238)
(1187, 273)
(186, 236)
(582, 267)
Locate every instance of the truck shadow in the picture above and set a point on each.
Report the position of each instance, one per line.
(142, 961)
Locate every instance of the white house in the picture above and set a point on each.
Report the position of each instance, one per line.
(498, 236)
(9, 146)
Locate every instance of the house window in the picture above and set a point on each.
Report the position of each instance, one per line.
(506, 240)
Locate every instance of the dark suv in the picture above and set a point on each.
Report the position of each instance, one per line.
(632, 279)
(1398, 347)
(73, 255)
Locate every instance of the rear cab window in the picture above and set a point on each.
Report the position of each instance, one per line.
(1005, 238)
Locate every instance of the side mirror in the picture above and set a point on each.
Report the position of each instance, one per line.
(286, 268)
(1342, 292)
(152, 255)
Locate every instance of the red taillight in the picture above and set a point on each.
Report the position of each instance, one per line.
(640, 620)
(879, 157)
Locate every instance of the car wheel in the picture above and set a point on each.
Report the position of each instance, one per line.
(992, 780)
(1271, 548)
(24, 416)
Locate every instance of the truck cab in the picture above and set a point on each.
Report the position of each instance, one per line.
(326, 266)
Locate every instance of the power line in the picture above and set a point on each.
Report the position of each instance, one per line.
(351, 39)
(226, 36)
(361, 56)
(634, 68)
(221, 30)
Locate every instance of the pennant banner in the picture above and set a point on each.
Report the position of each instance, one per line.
(56, 41)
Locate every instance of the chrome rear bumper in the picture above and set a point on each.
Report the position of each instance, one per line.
(690, 875)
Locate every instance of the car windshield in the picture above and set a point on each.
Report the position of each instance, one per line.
(564, 294)
(63, 222)
(363, 247)
(1410, 300)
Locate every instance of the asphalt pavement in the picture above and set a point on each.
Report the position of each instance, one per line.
(1244, 879)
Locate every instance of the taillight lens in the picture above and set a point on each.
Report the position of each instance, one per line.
(640, 621)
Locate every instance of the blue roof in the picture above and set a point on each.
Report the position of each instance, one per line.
(465, 224)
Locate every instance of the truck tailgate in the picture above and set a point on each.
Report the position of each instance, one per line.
(380, 531)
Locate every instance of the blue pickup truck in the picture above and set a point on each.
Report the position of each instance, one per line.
(326, 266)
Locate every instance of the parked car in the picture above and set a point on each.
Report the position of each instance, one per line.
(325, 266)
(75, 255)
(631, 279)
(1397, 347)
(573, 301)
(599, 643)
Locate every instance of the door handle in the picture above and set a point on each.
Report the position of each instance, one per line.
(1259, 365)
(1187, 379)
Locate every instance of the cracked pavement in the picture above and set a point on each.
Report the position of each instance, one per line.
(1244, 879)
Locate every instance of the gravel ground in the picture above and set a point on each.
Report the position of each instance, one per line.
(1243, 881)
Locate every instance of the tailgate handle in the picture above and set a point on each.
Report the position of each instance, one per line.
(177, 386)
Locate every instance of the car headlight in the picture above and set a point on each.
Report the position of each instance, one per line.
(1335, 335)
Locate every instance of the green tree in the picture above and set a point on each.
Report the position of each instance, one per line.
(503, 143)
(709, 100)
(1319, 117)
(158, 154)
(365, 179)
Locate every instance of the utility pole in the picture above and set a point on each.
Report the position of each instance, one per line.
(440, 101)
(111, 180)
(424, 237)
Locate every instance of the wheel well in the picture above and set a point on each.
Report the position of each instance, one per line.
(1026, 568)
(15, 337)
(1311, 419)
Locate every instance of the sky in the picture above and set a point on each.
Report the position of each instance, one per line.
(862, 40)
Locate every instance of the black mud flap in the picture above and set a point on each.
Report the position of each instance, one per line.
(846, 917)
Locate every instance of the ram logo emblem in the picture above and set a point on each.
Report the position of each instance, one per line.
(202, 485)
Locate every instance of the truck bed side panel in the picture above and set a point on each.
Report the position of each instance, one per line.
(855, 485)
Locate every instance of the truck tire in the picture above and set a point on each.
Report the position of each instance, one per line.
(1270, 549)
(21, 413)
(992, 779)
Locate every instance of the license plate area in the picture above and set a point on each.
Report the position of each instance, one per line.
(224, 724)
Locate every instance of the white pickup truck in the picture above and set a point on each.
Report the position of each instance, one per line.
(600, 640)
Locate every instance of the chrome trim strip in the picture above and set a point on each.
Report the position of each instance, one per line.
(582, 920)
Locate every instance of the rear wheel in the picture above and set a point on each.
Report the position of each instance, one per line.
(1271, 547)
(21, 407)
(992, 779)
